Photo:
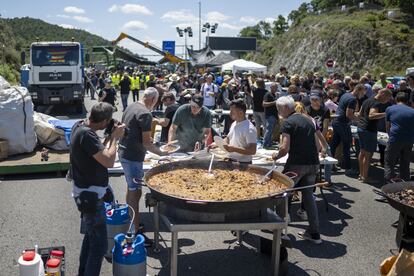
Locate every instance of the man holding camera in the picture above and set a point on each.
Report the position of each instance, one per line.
(89, 160)
(132, 148)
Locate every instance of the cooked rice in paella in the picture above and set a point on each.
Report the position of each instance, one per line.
(225, 185)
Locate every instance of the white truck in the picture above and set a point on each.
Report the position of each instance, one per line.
(56, 73)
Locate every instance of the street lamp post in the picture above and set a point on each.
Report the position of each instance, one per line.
(207, 27)
(184, 32)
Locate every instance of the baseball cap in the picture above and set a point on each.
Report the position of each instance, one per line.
(108, 80)
(168, 95)
(315, 95)
(197, 101)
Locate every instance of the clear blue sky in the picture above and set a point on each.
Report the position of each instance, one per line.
(152, 21)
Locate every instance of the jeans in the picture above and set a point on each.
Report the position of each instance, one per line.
(307, 176)
(124, 98)
(92, 92)
(95, 242)
(342, 133)
(135, 95)
(393, 151)
(270, 125)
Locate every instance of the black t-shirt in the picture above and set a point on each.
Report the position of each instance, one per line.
(364, 122)
(125, 84)
(137, 119)
(110, 95)
(271, 110)
(168, 114)
(319, 115)
(86, 171)
(347, 101)
(407, 92)
(258, 95)
(302, 150)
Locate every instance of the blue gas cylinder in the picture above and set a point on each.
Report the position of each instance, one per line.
(117, 221)
(129, 256)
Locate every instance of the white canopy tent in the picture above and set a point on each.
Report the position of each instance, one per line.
(243, 65)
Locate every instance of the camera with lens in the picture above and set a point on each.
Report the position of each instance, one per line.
(111, 126)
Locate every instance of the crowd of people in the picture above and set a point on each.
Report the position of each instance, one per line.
(303, 117)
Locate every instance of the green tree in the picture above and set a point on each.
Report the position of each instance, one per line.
(265, 29)
(280, 25)
(251, 31)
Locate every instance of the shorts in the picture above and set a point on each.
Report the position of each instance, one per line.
(367, 140)
(133, 170)
(259, 119)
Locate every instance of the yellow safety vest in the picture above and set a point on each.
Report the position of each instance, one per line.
(135, 84)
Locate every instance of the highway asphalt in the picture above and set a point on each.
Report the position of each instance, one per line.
(356, 231)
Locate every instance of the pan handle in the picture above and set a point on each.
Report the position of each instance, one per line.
(396, 180)
(138, 182)
(196, 202)
(378, 192)
(291, 175)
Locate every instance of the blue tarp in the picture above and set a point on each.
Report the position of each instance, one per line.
(66, 125)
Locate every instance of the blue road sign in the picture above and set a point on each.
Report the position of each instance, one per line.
(169, 46)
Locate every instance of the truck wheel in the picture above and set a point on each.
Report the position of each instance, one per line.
(79, 107)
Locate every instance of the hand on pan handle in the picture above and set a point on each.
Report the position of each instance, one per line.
(197, 146)
(211, 146)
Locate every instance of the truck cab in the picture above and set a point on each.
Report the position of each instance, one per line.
(56, 73)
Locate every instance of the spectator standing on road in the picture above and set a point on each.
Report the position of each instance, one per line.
(300, 142)
(93, 85)
(399, 124)
(410, 81)
(383, 80)
(168, 99)
(322, 116)
(135, 86)
(209, 90)
(108, 93)
(259, 91)
(89, 160)
(132, 148)
(367, 130)
(272, 118)
(341, 125)
(125, 85)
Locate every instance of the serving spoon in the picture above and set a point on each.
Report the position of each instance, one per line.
(274, 167)
(210, 174)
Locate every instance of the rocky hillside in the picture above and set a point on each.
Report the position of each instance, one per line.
(360, 40)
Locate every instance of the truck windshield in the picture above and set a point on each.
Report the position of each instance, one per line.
(55, 55)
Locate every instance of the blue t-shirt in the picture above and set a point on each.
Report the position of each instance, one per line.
(401, 118)
(347, 101)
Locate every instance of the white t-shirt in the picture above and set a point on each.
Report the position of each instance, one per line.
(241, 135)
(206, 89)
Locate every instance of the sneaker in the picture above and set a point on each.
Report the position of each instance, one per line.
(315, 238)
(302, 214)
(351, 173)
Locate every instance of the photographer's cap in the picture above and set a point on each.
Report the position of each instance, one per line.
(197, 100)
